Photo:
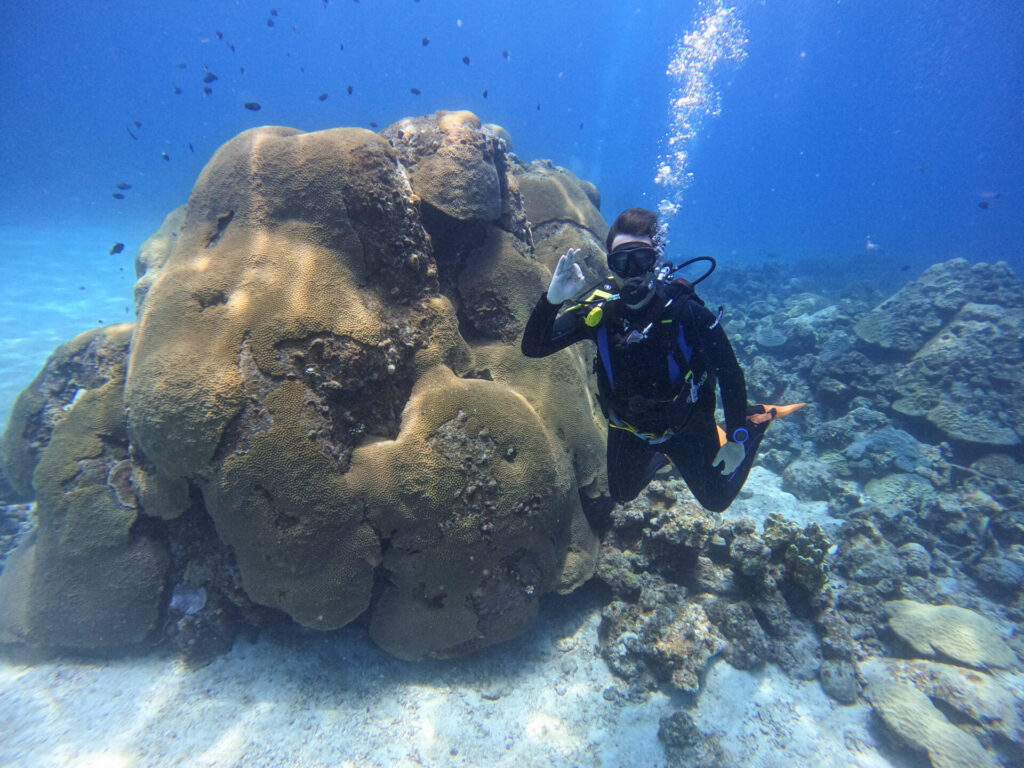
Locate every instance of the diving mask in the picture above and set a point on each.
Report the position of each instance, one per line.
(633, 260)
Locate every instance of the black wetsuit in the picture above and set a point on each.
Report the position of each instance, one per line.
(660, 385)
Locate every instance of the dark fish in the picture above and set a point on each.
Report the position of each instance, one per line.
(242, 70)
(350, 89)
(177, 90)
(273, 11)
(253, 105)
(270, 22)
(984, 204)
(232, 47)
(904, 268)
(341, 46)
(138, 124)
(426, 41)
(118, 196)
(322, 97)
(538, 106)
(414, 91)
(295, 29)
(581, 126)
(207, 90)
(373, 124)
(118, 247)
(182, 65)
(130, 133)
(220, 35)
(124, 185)
(465, 60)
(485, 94)
(191, 149)
(209, 77)
(505, 54)
(302, 70)
(165, 157)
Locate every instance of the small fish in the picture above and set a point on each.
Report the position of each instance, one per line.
(118, 196)
(118, 247)
(581, 126)
(220, 35)
(373, 124)
(254, 106)
(270, 22)
(124, 185)
(426, 41)
(322, 97)
(232, 47)
(465, 60)
(341, 46)
(295, 29)
(415, 91)
(182, 65)
(130, 133)
(905, 268)
(177, 91)
(984, 204)
(485, 94)
(538, 106)
(350, 89)
(191, 149)
(209, 77)
(273, 11)
(138, 124)
(165, 157)
(207, 90)
(505, 54)
(242, 70)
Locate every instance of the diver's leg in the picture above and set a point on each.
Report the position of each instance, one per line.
(694, 451)
(631, 464)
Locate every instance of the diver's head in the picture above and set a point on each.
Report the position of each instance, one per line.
(633, 255)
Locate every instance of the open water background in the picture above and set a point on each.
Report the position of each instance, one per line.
(899, 124)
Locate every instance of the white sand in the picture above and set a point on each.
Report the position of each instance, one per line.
(338, 701)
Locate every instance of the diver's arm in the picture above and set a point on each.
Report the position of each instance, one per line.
(720, 356)
(547, 331)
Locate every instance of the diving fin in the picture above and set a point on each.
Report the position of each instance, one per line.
(771, 412)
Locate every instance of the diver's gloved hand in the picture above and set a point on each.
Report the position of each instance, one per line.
(731, 456)
(568, 277)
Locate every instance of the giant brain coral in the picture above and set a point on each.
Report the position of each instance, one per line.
(326, 360)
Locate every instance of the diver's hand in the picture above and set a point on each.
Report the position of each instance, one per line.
(568, 277)
(731, 455)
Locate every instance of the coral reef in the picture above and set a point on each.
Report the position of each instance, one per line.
(325, 367)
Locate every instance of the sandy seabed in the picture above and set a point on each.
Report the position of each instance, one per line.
(338, 701)
(310, 699)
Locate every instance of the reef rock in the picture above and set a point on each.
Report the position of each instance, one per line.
(326, 361)
(915, 313)
(966, 380)
(954, 632)
(911, 715)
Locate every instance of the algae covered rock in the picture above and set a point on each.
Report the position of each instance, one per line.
(955, 632)
(326, 365)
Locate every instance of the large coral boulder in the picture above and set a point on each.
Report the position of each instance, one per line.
(326, 361)
(86, 578)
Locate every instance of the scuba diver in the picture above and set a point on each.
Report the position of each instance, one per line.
(660, 354)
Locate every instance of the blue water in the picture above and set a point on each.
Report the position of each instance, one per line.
(848, 123)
